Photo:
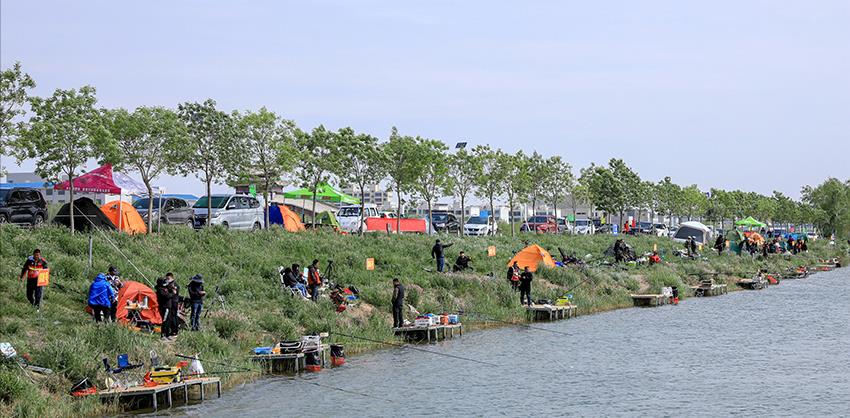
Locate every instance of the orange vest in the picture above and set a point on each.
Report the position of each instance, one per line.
(35, 269)
(314, 277)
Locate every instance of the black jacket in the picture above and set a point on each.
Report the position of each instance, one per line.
(398, 295)
(437, 250)
(525, 280)
(195, 288)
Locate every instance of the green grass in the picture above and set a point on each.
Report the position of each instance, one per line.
(244, 266)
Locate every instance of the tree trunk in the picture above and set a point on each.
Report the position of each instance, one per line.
(150, 205)
(315, 186)
(209, 203)
(361, 227)
(398, 211)
(462, 215)
(266, 202)
(534, 213)
(430, 214)
(71, 206)
(511, 215)
(493, 215)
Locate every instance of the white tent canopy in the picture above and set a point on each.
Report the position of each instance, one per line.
(699, 231)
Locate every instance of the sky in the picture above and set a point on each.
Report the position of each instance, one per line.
(751, 95)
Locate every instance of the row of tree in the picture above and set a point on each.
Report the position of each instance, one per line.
(67, 129)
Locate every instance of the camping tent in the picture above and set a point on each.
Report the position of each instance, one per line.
(324, 192)
(86, 214)
(126, 216)
(138, 293)
(755, 236)
(531, 257)
(750, 222)
(282, 215)
(694, 229)
(327, 218)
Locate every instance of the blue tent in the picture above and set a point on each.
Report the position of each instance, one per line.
(275, 217)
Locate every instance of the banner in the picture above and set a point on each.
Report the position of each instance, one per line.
(491, 251)
(370, 264)
(43, 277)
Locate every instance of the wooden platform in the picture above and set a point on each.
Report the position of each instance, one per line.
(752, 284)
(713, 290)
(288, 363)
(432, 333)
(651, 300)
(551, 312)
(167, 391)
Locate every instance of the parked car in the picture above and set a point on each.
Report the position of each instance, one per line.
(479, 225)
(563, 226)
(445, 222)
(175, 211)
(659, 230)
(238, 212)
(21, 205)
(604, 229)
(388, 215)
(540, 224)
(349, 217)
(584, 227)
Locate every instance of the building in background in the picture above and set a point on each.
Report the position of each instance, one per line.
(376, 195)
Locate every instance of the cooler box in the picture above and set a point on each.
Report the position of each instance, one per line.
(166, 375)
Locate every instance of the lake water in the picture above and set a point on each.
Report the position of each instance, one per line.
(782, 351)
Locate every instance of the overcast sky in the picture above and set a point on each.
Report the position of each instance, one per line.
(733, 94)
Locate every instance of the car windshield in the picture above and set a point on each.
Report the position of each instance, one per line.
(645, 225)
(440, 217)
(582, 222)
(660, 226)
(539, 219)
(349, 212)
(143, 203)
(4, 193)
(218, 202)
(478, 220)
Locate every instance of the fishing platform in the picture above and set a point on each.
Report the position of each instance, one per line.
(707, 287)
(288, 363)
(651, 300)
(137, 394)
(551, 312)
(753, 284)
(429, 333)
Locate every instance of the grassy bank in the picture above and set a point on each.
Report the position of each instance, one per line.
(244, 266)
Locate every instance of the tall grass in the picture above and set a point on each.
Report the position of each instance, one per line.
(243, 266)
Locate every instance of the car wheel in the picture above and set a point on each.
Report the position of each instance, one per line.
(3, 219)
(256, 226)
(190, 223)
(225, 225)
(38, 219)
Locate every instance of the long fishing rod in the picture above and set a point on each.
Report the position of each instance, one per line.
(417, 349)
(118, 249)
(365, 395)
(214, 362)
(487, 318)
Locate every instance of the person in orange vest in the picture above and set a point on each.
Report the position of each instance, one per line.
(32, 267)
(314, 280)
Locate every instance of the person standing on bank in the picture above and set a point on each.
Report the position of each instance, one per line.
(314, 280)
(437, 254)
(196, 298)
(525, 286)
(32, 267)
(398, 303)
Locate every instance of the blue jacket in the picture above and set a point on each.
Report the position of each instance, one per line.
(100, 292)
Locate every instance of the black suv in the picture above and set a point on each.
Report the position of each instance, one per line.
(22, 206)
(446, 222)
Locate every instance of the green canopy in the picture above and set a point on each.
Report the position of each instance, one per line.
(750, 222)
(324, 193)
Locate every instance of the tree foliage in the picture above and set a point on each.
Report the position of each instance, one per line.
(364, 164)
(15, 85)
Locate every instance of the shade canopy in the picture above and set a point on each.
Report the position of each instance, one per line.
(324, 192)
(98, 180)
(750, 222)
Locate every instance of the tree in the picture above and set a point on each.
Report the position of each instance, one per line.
(14, 94)
(559, 181)
(628, 186)
(489, 181)
(402, 165)
(537, 171)
(605, 190)
(433, 173)
(463, 171)
(215, 149)
(320, 159)
(269, 142)
(693, 201)
(517, 179)
(150, 141)
(830, 202)
(786, 209)
(64, 132)
(364, 164)
(669, 198)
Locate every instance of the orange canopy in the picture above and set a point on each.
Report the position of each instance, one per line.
(291, 220)
(531, 257)
(129, 219)
(755, 236)
(137, 293)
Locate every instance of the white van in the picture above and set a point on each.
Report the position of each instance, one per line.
(239, 212)
(349, 217)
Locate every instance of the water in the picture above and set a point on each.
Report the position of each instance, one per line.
(782, 351)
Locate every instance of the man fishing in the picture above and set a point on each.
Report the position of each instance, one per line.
(398, 303)
(525, 286)
(437, 254)
(32, 268)
(314, 280)
(196, 297)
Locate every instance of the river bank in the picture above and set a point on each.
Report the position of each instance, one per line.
(244, 268)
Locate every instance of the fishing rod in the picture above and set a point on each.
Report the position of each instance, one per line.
(365, 395)
(487, 318)
(417, 349)
(214, 362)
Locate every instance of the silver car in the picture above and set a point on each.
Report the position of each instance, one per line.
(239, 212)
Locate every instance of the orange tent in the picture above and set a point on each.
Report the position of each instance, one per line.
(755, 236)
(291, 220)
(138, 293)
(129, 219)
(531, 257)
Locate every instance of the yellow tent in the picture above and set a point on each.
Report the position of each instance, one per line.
(531, 257)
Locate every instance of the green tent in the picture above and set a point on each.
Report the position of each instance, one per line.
(324, 193)
(750, 222)
(328, 219)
